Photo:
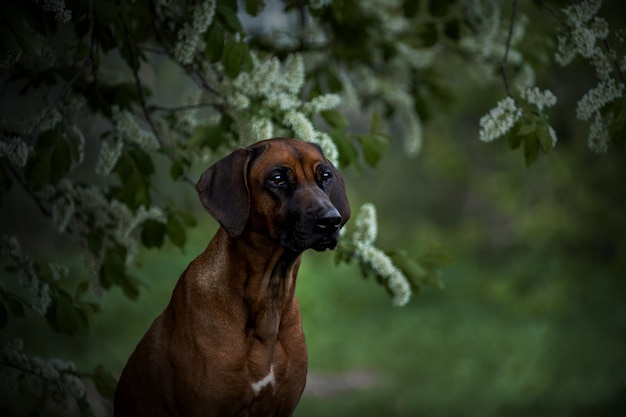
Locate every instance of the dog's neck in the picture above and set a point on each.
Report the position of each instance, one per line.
(269, 285)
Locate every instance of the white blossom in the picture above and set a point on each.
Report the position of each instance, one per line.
(27, 275)
(190, 37)
(58, 271)
(62, 211)
(110, 152)
(15, 150)
(318, 4)
(411, 126)
(364, 236)
(365, 224)
(598, 140)
(538, 98)
(499, 120)
(328, 147)
(56, 376)
(127, 222)
(322, 103)
(584, 29)
(300, 125)
(293, 77)
(552, 134)
(127, 128)
(598, 97)
(261, 128)
(57, 7)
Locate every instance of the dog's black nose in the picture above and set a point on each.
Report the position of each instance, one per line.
(328, 220)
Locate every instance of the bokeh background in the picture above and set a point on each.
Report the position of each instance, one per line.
(532, 319)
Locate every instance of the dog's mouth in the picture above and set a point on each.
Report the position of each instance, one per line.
(301, 241)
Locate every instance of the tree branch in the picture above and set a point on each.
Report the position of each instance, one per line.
(181, 108)
(66, 88)
(506, 51)
(134, 61)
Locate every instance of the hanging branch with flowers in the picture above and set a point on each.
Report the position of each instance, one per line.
(347, 75)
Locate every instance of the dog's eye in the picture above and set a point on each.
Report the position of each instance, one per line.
(326, 176)
(278, 179)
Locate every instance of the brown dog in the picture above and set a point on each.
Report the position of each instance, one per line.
(230, 342)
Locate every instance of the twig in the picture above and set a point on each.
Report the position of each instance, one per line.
(506, 51)
(22, 182)
(180, 108)
(134, 61)
(551, 10)
(605, 43)
(66, 88)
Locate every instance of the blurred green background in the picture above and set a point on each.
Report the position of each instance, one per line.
(532, 320)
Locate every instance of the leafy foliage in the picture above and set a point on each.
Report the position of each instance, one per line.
(343, 63)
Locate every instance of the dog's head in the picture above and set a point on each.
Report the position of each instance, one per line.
(282, 188)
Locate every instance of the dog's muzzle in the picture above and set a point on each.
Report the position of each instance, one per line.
(318, 230)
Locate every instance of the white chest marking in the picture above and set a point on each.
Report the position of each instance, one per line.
(262, 383)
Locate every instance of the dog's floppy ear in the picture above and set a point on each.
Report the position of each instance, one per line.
(338, 196)
(223, 191)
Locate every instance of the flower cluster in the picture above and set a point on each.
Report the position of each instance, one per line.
(15, 150)
(599, 96)
(585, 31)
(391, 91)
(538, 98)
(126, 129)
(276, 86)
(112, 216)
(499, 120)
(61, 14)
(27, 274)
(364, 236)
(36, 374)
(189, 38)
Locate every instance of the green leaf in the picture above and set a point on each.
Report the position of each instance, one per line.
(254, 7)
(229, 17)
(527, 129)
(438, 8)
(175, 231)
(334, 118)
(26, 36)
(236, 58)
(177, 169)
(347, 151)
(209, 136)
(81, 289)
(143, 161)
(545, 140)
(62, 158)
(130, 286)
(15, 306)
(9, 47)
(374, 146)
(410, 7)
(187, 218)
(105, 382)
(106, 11)
(531, 149)
(214, 43)
(69, 319)
(152, 234)
(514, 139)
(113, 267)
